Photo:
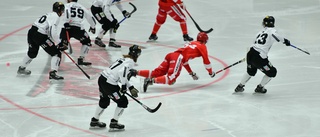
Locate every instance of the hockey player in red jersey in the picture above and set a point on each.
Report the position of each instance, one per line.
(169, 70)
(173, 8)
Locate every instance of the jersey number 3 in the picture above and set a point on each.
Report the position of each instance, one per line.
(261, 38)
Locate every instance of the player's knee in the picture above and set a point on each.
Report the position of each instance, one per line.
(86, 41)
(32, 54)
(160, 20)
(122, 102)
(104, 102)
(105, 26)
(178, 19)
(171, 82)
(272, 72)
(252, 72)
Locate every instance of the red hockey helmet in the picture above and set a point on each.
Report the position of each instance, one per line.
(202, 37)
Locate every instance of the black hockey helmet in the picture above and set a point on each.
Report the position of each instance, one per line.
(135, 51)
(58, 7)
(268, 21)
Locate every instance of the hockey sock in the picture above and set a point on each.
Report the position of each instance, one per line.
(183, 26)
(144, 73)
(98, 112)
(55, 61)
(161, 80)
(101, 33)
(26, 61)
(112, 34)
(265, 80)
(246, 77)
(117, 113)
(84, 50)
(156, 28)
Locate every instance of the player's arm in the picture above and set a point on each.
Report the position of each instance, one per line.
(205, 57)
(106, 9)
(281, 39)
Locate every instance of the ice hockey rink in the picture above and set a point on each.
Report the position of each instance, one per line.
(31, 106)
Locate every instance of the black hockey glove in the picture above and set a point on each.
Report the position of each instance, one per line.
(123, 89)
(213, 74)
(126, 14)
(194, 75)
(67, 26)
(134, 92)
(92, 30)
(114, 24)
(132, 72)
(63, 45)
(287, 42)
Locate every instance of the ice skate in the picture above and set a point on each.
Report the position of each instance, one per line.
(113, 44)
(99, 42)
(260, 89)
(23, 71)
(153, 37)
(96, 124)
(187, 38)
(53, 76)
(239, 88)
(146, 83)
(115, 126)
(81, 62)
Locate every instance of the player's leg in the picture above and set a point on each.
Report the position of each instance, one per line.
(178, 16)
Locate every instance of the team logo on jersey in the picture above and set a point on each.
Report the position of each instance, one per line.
(266, 68)
(116, 95)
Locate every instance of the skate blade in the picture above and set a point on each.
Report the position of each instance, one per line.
(151, 41)
(97, 128)
(23, 75)
(55, 81)
(258, 93)
(237, 93)
(116, 130)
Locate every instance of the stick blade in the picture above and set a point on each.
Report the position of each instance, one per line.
(208, 31)
(155, 109)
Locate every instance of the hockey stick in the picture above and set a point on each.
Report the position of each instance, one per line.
(69, 48)
(300, 49)
(77, 65)
(134, 10)
(144, 106)
(68, 38)
(198, 27)
(242, 60)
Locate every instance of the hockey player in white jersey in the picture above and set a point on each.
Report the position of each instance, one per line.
(74, 17)
(257, 57)
(119, 72)
(45, 32)
(102, 13)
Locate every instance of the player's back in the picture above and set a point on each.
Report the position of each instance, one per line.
(74, 13)
(113, 72)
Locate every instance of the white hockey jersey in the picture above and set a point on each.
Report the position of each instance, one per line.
(98, 3)
(107, 5)
(75, 14)
(118, 72)
(265, 39)
(48, 25)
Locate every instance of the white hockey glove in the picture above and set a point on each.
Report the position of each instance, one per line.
(182, 6)
(194, 75)
(213, 74)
